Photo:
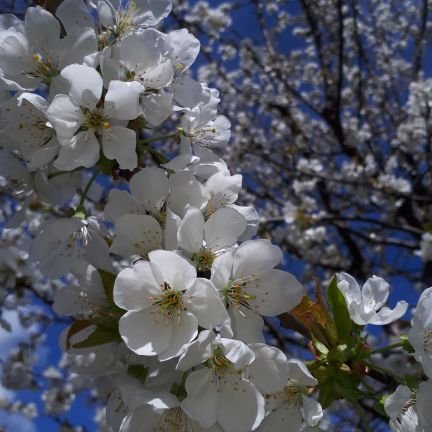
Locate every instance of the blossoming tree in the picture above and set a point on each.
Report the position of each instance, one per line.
(122, 214)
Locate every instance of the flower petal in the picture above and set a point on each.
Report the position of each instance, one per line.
(235, 414)
(255, 257)
(184, 330)
(191, 231)
(201, 403)
(223, 228)
(176, 270)
(202, 299)
(85, 84)
(136, 234)
(144, 332)
(121, 101)
(269, 370)
(82, 150)
(134, 287)
(150, 187)
(119, 143)
(65, 115)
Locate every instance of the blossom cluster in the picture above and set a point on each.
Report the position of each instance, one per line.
(170, 288)
(169, 284)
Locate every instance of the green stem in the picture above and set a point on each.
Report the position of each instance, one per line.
(160, 156)
(87, 188)
(60, 173)
(158, 138)
(387, 372)
(387, 348)
(363, 419)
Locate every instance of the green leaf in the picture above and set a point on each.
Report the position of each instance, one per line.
(108, 280)
(320, 347)
(338, 354)
(327, 394)
(412, 381)
(139, 372)
(340, 310)
(406, 344)
(346, 386)
(75, 328)
(100, 336)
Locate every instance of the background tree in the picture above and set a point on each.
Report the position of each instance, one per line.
(330, 106)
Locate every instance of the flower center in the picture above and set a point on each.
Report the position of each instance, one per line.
(427, 341)
(202, 137)
(125, 20)
(293, 393)
(173, 420)
(45, 68)
(160, 217)
(219, 363)
(96, 119)
(170, 302)
(235, 293)
(203, 260)
(79, 238)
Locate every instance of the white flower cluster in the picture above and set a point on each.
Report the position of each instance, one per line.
(170, 289)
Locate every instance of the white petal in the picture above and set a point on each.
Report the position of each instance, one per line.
(77, 45)
(255, 257)
(269, 370)
(85, 84)
(74, 15)
(386, 316)
(191, 231)
(184, 330)
(247, 325)
(177, 272)
(201, 403)
(41, 26)
(70, 301)
(349, 288)
(150, 187)
(313, 411)
(252, 219)
(299, 373)
(145, 332)
(237, 352)
(144, 418)
(150, 12)
(119, 143)
(424, 404)
(223, 228)
(160, 76)
(120, 203)
(183, 49)
(172, 224)
(65, 115)
(395, 403)
(276, 292)
(186, 191)
(374, 294)
(287, 418)
(134, 287)
(240, 413)
(157, 107)
(198, 351)
(105, 13)
(224, 189)
(121, 101)
(221, 270)
(202, 299)
(83, 150)
(136, 234)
